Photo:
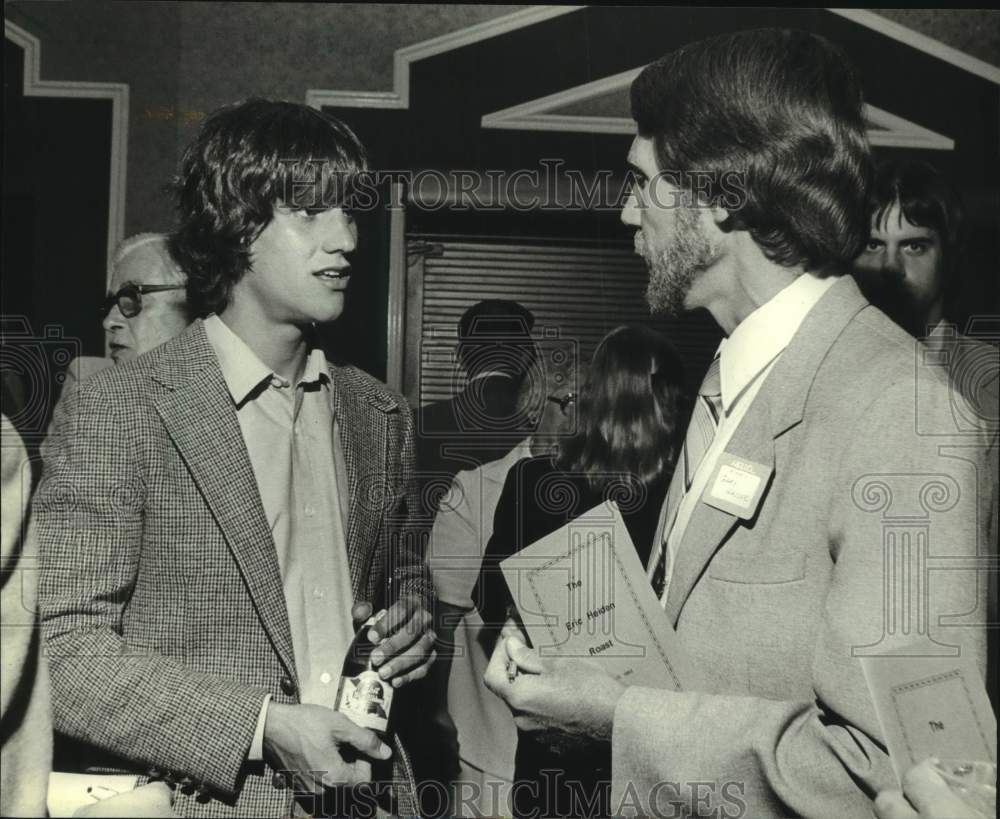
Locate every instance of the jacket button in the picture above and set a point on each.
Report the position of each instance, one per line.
(287, 686)
(278, 780)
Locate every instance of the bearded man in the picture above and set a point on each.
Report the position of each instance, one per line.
(771, 560)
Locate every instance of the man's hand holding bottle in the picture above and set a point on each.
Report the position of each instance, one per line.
(403, 639)
(321, 747)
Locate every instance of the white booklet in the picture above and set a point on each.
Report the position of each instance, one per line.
(931, 706)
(582, 592)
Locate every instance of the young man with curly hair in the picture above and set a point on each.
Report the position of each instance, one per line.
(216, 515)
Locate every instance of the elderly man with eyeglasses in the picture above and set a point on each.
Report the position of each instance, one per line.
(146, 305)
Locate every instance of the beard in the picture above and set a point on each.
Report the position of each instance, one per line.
(897, 300)
(672, 268)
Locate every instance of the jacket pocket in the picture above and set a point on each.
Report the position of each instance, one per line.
(784, 567)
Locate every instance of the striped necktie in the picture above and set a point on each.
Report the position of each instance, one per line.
(700, 433)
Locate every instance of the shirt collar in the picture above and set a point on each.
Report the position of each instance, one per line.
(765, 333)
(243, 371)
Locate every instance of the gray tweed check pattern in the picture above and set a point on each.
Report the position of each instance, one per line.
(160, 593)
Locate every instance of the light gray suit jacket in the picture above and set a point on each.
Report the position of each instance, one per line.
(776, 610)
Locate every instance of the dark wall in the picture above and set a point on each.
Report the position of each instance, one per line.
(56, 163)
(134, 43)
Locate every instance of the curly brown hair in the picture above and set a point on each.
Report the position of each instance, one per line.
(248, 158)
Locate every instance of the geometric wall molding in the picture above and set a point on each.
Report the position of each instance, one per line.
(543, 114)
(118, 93)
(921, 42)
(399, 97)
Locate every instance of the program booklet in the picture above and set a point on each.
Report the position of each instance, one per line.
(582, 592)
(931, 706)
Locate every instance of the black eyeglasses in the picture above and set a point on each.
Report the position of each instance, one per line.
(129, 297)
(565, 402)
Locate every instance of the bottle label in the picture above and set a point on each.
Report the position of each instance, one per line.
(366, 699)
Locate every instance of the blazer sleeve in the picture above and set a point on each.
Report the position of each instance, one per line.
(825, 756)
(111, 693)
(410, 530)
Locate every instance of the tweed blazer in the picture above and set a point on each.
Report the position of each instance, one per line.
(160, 591)
(872, 481)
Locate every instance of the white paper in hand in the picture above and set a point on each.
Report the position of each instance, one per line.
(931, 706)
(582, 592)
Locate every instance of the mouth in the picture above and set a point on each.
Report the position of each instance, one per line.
(334, 273)
(334, 277)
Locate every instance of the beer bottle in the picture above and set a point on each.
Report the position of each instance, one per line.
(364, 697)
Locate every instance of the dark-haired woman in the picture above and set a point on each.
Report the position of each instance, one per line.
(630, 419)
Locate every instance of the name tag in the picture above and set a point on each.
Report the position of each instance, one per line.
(737, 485)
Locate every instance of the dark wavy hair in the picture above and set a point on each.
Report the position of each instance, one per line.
(247, 158)
(631, 410)
(783, 110)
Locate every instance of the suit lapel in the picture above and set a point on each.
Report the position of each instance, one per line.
(709, 527)
(778, 407)
(364, 436)
(200, 418)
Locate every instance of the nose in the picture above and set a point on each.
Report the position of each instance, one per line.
(630, 210)
(340, 233)
(114, 320)
(892, 264)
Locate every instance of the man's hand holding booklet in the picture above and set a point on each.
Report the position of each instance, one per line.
(592, 619)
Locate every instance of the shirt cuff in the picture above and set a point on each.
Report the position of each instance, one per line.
(256, 753)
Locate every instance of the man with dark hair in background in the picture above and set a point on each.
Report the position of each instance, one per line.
(479, 738)
(210, 511)
(482, 422)
(910, 267)
(775, 587)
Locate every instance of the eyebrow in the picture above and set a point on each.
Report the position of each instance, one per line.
(636, 169)
(916, 233)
